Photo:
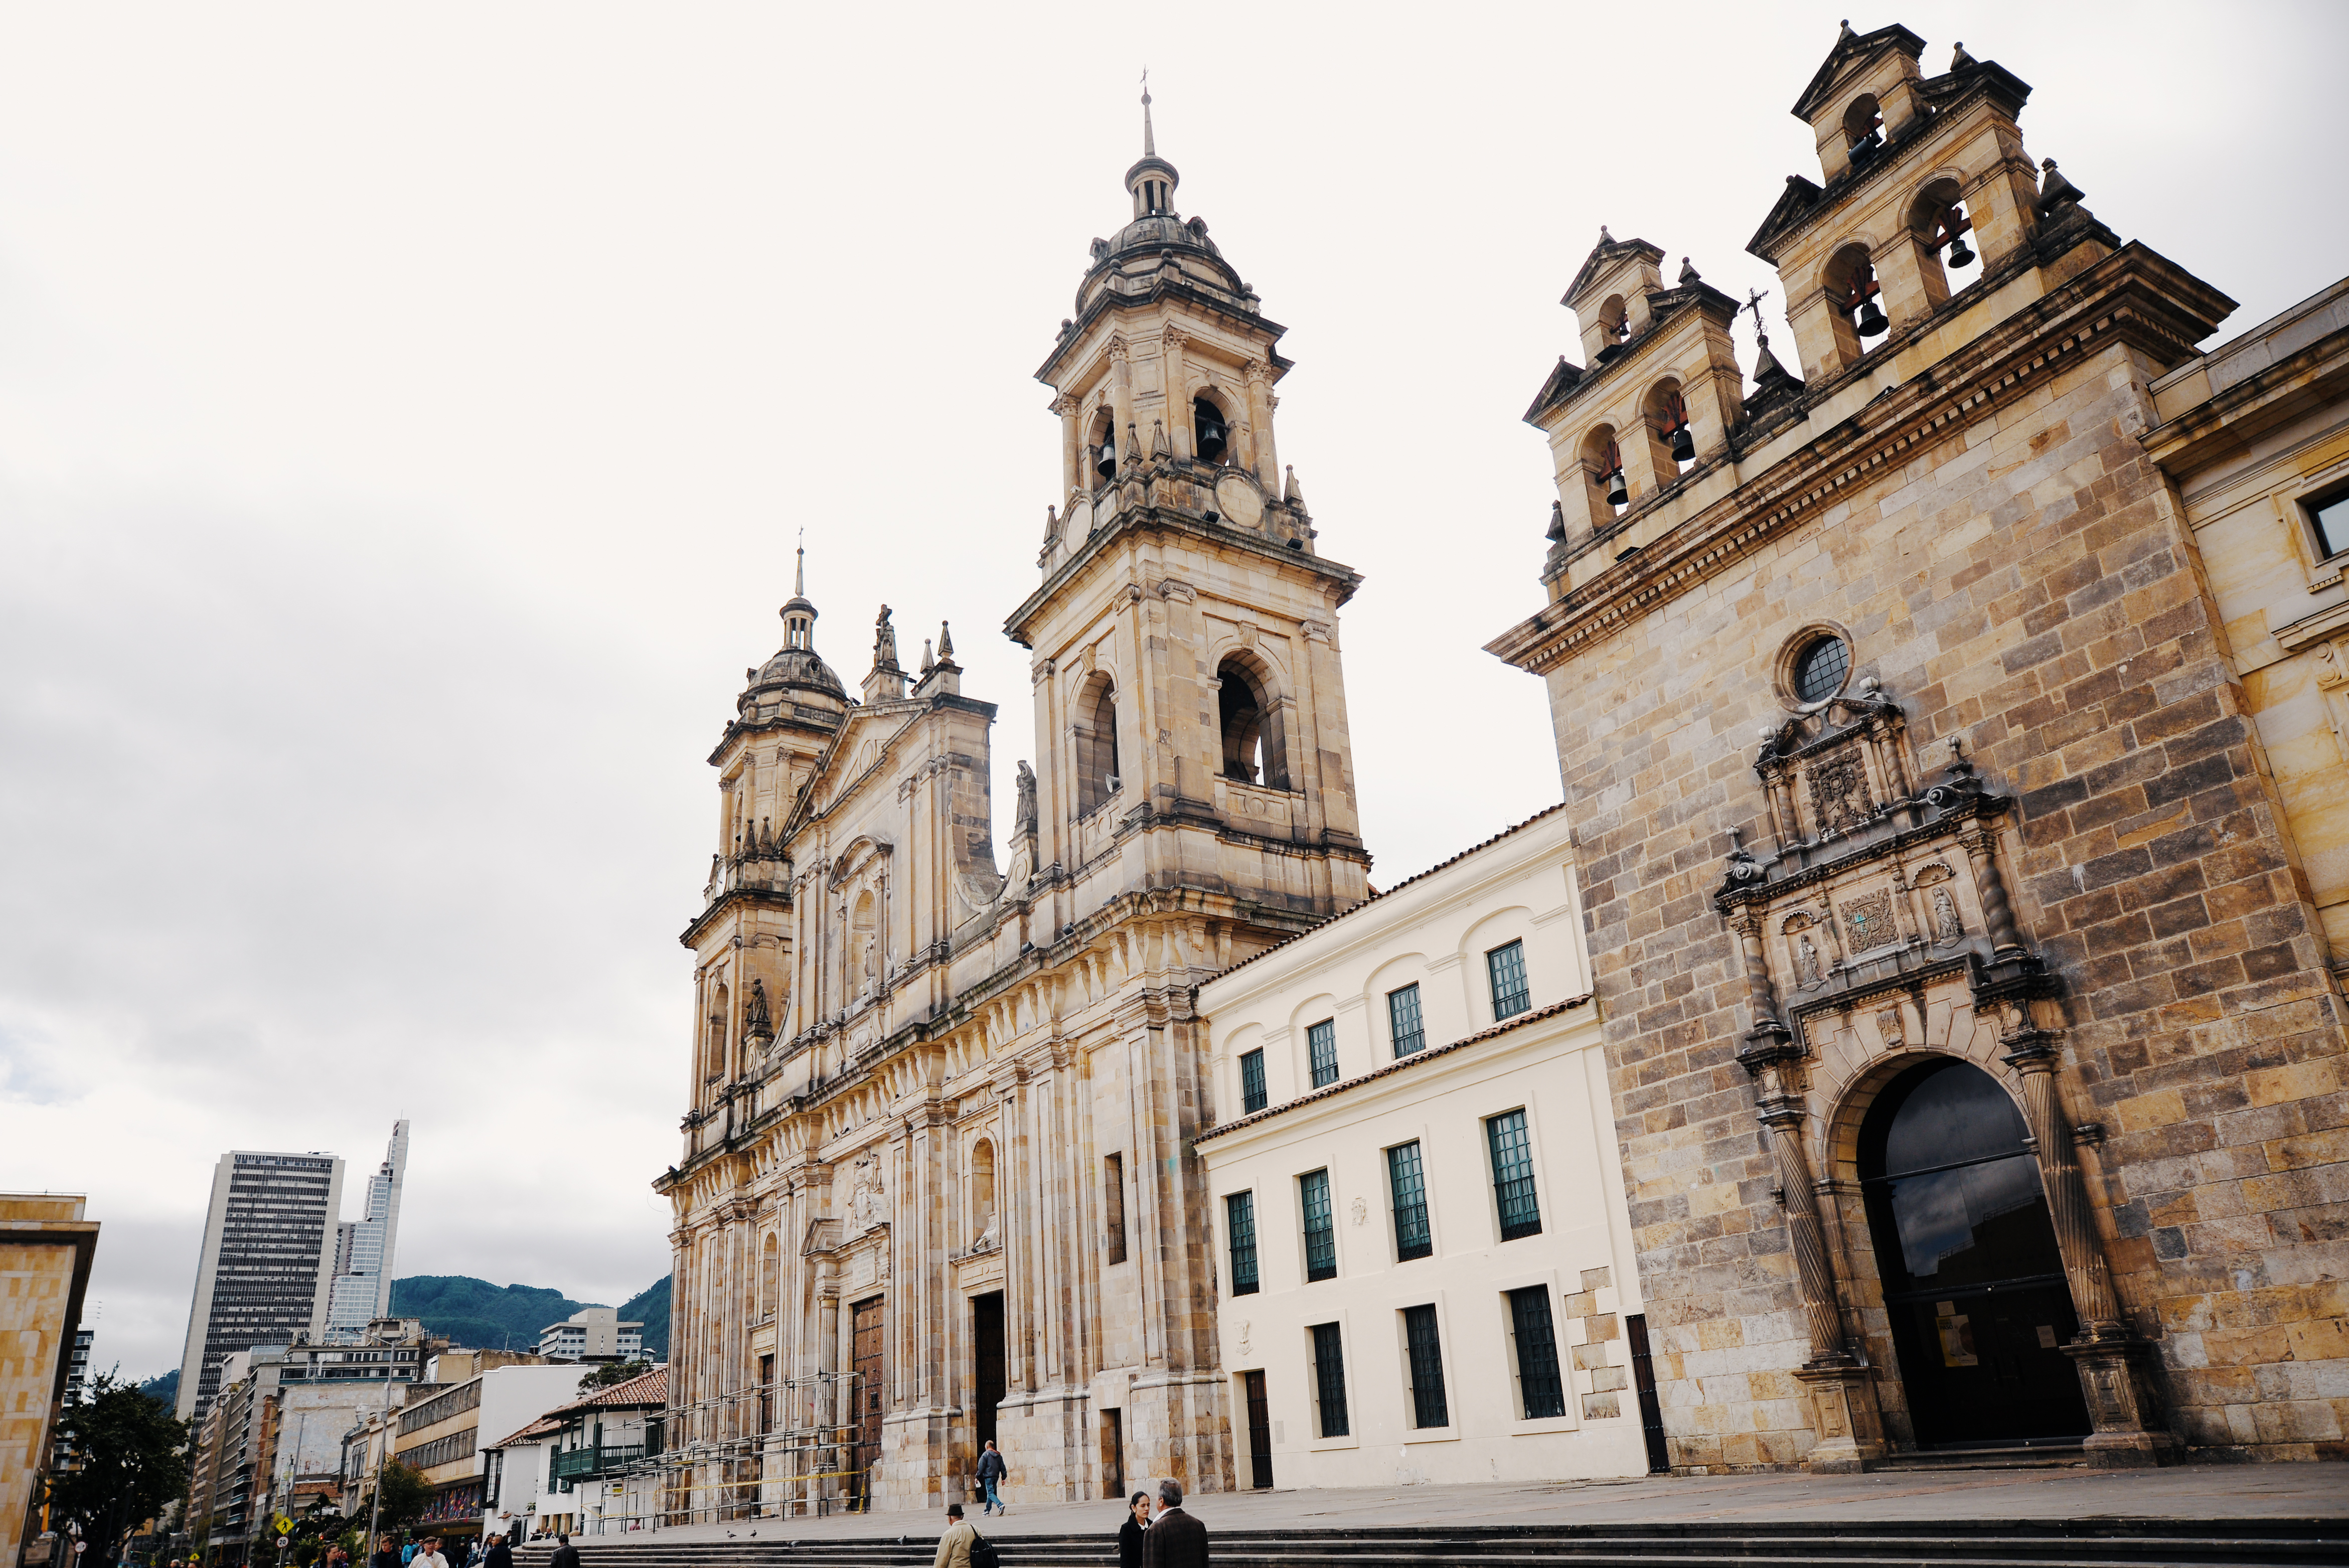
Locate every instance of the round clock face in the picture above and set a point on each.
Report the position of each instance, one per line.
(1238, 499)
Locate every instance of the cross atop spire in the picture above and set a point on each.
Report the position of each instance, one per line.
(799, 577)
(1149, 140)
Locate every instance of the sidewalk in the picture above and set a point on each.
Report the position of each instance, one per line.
(2186, 1491)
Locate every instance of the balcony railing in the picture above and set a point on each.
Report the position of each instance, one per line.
(585, 1464)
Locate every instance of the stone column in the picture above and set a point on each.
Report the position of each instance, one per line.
(1121, 392)
(1990, 887)
(1072, 450)
(2123, 1403)
(1178, 403)
(1262, 457)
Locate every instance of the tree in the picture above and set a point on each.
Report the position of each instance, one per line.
(133, 1461)
(406, 1493)
(613, 1373)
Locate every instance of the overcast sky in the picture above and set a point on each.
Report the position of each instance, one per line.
(406, 414)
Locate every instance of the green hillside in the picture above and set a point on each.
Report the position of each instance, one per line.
(478, 1315)
(650, 1307)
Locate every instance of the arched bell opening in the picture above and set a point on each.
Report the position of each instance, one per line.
(1852, 292)
(1602, 470)
(1964, 1249)
(1614, 328)
(1096, 744)
(713, 1066)
(1670, 438)
(1255, 748)
(1211, 431)
(1938, 221)
(1863, 129)
(1101, 447)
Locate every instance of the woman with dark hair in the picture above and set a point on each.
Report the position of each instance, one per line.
(1136, 1528)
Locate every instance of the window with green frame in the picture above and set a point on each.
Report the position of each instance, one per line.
(1409, 1184)
(1321, 1045)
(1539, 1389)
(1330, 1379)
(1252, 1096)
(1424, 1347)
(1404, 1021)
(1506, 968)
(1320, 1226)
(1513, 1175)
(1239, 1225)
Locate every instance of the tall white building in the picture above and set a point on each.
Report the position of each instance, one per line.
(364, 1249)
(266, 1264)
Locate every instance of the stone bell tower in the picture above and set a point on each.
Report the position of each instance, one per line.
(1189, 706)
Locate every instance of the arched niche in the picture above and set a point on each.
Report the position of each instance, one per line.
(1095, 728)
(1252, 723)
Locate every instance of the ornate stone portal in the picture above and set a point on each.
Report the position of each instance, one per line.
(1876, 931)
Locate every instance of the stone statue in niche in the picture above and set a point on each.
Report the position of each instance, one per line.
(885, 642)
(756, 1020)
(1806, 960)
(1947, 926)
(1839, 793)
(868, 1203)
(991, 1237)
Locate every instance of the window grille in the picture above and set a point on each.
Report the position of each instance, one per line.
(1403, 1020)
(1428, 1406)
(1114, 1204)
(1537, 1380)
(1507, 968)
(1252, 1095)
(1512, 1176)
(1321, 1044)
(1330, 1379)
(1321, 1230)
(1239, 1222)
(1409, 1182)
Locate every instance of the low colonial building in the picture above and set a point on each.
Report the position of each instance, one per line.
(1425, 1259)
(589, 1466)
(442, 1428)
(1950, 721)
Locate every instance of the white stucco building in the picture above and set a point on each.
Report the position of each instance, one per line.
(1424, 1271)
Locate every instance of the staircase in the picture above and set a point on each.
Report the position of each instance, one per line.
(1919, 1544)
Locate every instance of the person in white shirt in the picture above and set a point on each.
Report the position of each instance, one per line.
(430, 1556)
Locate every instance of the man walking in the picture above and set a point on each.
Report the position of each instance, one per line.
(430, 1557)
(991, 1470)
(566, 1554)
(953, 1545)
(1176, 1540)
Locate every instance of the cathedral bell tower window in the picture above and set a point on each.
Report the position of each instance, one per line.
(1852, 289)
(1104, 448)
(1863, 129)
(1668, 417)
(1940, 224)
(1214, 436)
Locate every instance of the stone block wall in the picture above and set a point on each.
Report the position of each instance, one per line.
(2020, 579)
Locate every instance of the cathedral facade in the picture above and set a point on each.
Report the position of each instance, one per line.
(1958, 838)
(937, 1185)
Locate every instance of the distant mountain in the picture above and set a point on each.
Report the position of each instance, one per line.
(650, 1307)
(167, 1386)
(479, 1315)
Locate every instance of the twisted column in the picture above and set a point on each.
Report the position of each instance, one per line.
(2033, 1055)
(1998, 913)
(1783, 1115)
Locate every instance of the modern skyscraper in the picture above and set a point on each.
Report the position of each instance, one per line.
(266, 1263)
(363, 1249)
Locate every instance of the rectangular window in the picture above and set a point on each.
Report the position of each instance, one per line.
(1239, 1219)
(2329, 516)
(1404, 1021)
(1114, 1204)
(1252, 1096)
(1410, 1186)
(1321, 1044)
(1512, 1176)
(1428, 1407)
(1320, 1232)
(1330, 1379)
(1506, 966)
(1537, 1380)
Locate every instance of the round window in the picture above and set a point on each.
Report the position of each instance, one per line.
(1820, 668)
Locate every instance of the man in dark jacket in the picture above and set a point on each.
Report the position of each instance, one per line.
(499, 1555)
(566, 1554)
(387, 1555)
(991, 1470)
(1176, 1538)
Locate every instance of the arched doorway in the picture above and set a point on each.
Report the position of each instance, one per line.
(1972, 1281)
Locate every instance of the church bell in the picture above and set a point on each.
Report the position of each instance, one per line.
(1106, 465)
(1959, 255)
(1683, 444)
(1871, 319)
(1617, 493)
(1212, 436)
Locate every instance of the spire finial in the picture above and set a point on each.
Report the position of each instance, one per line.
(1149, 138)
(799, 578)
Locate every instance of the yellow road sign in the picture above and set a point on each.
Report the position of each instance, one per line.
(284, 1525)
